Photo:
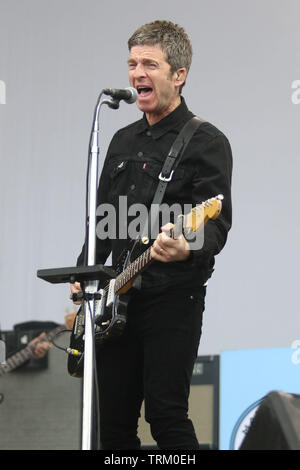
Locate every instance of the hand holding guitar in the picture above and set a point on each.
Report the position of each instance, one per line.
(75, 289)
(167, 249)
(41, 346)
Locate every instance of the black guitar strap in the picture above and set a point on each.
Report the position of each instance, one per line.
(175, 154)
(173, 158)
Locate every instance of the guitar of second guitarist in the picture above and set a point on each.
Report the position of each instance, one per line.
(27, 353)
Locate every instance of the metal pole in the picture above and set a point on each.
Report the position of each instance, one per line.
(91, 287)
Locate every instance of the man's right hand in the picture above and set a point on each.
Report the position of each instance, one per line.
(75, 289)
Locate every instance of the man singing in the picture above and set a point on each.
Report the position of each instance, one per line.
(153, 360)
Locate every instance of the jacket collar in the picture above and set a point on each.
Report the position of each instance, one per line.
(172, 121)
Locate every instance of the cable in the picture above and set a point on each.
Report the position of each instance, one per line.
(57, 334)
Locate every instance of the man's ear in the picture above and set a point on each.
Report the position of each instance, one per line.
(180, 76)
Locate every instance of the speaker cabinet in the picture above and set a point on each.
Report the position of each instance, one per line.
(203, 405)
(40, 408)
(276, 424)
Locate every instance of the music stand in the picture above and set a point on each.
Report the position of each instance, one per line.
(98, 272)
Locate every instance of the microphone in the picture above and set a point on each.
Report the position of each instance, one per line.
(129, 94)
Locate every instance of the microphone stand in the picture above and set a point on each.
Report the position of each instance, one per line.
(91, 287)
(91, 276)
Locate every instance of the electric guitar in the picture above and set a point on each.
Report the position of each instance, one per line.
(16, 360)
(110, 310)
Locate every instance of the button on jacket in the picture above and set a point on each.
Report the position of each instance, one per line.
(133, 163)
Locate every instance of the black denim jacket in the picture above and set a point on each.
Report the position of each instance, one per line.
(134, 160)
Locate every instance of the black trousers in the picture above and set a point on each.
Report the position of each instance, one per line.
(153, 360)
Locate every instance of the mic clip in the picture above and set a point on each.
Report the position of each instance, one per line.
(85, 296)
(113, 103)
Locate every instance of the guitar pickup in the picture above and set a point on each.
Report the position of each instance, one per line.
(111, 293)
(100, 304)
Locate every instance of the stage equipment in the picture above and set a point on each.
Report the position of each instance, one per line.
(276, 424)
(203, 406)
(40, 408)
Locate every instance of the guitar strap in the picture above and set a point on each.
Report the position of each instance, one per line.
(173, 158)
(175, 154)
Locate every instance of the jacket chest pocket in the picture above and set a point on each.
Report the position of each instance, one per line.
(119, 178)
(117, 169)
(138, 180)
(124, 181)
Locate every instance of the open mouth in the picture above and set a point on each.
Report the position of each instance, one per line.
(144, 91)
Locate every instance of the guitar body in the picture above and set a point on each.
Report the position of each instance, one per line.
(117, 321)
(110, 321)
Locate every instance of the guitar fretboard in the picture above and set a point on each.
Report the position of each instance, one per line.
(135, 268)
(140, 263)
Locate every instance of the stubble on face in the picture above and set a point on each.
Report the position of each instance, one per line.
(150, 74)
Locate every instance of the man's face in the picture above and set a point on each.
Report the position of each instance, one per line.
(158, 88)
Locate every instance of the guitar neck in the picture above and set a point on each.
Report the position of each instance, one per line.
(124, 280)
(26, 353)
(133, 270)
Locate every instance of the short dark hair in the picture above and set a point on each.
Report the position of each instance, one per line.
(172, 39)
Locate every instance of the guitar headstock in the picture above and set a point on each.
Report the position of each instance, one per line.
(199, 215)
